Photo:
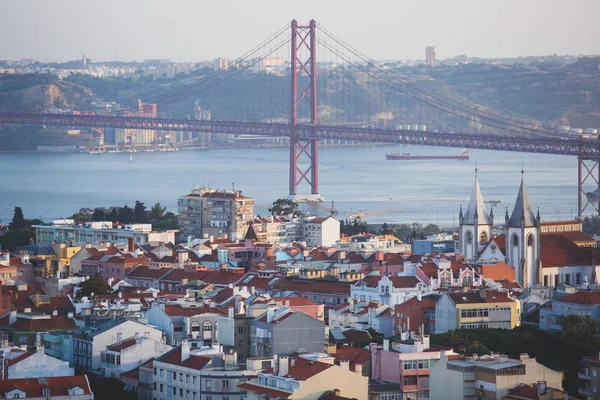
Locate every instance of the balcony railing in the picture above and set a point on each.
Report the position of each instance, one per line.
(583, 391)
(584, 375)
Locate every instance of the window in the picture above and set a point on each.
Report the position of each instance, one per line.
(187, 394)
(469, 237)
(483, 238)
(180, 377)
(195, 327)
(160, 387)
(407, 381)
(187, 379)
(160, 372)
(45, 392)
(241, 329)
(155, 369)
(529, 240)
(225, 384)
(174, 376)
(266, 364)
(154, 385)
(515, 240)
(180, 393)
(209, 384)
(240, 343)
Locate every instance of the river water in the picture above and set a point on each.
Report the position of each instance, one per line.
(48, 185)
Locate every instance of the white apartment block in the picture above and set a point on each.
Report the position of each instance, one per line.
(321, 231)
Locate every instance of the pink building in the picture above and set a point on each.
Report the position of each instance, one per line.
(406, 362)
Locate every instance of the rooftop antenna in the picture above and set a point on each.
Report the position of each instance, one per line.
(233, 186)
(476, 169)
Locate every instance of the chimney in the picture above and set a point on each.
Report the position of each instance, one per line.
(275, 363)
(419, 295)
(345, 364)
(482, 292)
(70, 315)
(270, 313)
(120, 294)
(54, 313)
(541, 387)
(230, 312)
(36, 299)
(284, 365)
(386, 344)
(287, 303)
(211, 304)
(185, 350)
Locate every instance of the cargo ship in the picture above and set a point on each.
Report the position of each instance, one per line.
(464, 155)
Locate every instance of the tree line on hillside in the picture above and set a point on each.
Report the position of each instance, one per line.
(561, 351)
(157, 215)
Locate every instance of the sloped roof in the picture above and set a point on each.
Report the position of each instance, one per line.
(356, 335)
(174, 357)
(263, 390)
(303, 369)
(355, 355)
(557, 250)
(178, 311)
(582, 297)
(475, 214)
(250, 233)
(58, 385)
(314, 286)
(475, 298)
(522, 210)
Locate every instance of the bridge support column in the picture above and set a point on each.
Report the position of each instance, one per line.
(588, 170)
(303, 101)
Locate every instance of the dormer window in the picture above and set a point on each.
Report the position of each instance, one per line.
(45, 392)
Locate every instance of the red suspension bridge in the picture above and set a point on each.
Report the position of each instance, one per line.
(399, 100)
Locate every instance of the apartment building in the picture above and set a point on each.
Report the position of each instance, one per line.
(455, 377)
(189, 209)
(234, 331)
(406, 362)
(206, 212)
(66, 230)
(284, 332)
(583, 303)
(128, 354)
(388, 290)
(91, 341)
(321, 231)
(589, 376)
(185, 373)
(476, 309)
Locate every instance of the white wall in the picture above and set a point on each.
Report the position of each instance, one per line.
(445, 314)
(142, 351)
(39, 365)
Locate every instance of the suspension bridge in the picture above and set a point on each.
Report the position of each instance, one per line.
(330, 95)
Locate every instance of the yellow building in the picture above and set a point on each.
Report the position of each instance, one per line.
(306, 379)
(476, 309)
(64, 253)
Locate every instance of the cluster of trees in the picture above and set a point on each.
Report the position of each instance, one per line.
(408, 232)
(157, 215)
(19, 232)
(285, 207)
(560, 351)
(353, 227)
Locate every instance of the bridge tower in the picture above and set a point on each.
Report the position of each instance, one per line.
(588, 169)
(304, 94)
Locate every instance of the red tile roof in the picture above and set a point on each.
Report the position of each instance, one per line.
(314, 286)
(263, 390)
(220, 277)
(174, 357)
(404, 281)
(475, 298)
(145, 272)
(498, 271)
(557, 250)
(55, 323)
(355, 355)
(426, 302)
(581, 297)
(117, 347)
(303, 369)
(356, 335)
(295, 301)
(178, 311)
(58, 385)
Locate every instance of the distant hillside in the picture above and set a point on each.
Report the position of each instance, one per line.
(549, 94)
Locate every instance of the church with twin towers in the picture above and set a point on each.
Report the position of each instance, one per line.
(521, 240)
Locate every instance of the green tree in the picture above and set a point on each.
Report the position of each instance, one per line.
(157, 212)
(431, 229)
(98, 215)
(126, 215)
(18, 220)
(384, 229)
(114, 214)
(168, 221)
(95, 284)
(139, 213)
(285, 207)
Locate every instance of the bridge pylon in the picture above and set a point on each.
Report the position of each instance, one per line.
(304, 95)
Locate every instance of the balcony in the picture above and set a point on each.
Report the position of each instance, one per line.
(584, 391)
(584, 375)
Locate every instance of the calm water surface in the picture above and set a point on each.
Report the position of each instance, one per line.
(357, 178)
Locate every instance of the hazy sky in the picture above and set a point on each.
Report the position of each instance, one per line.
(195, 30)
